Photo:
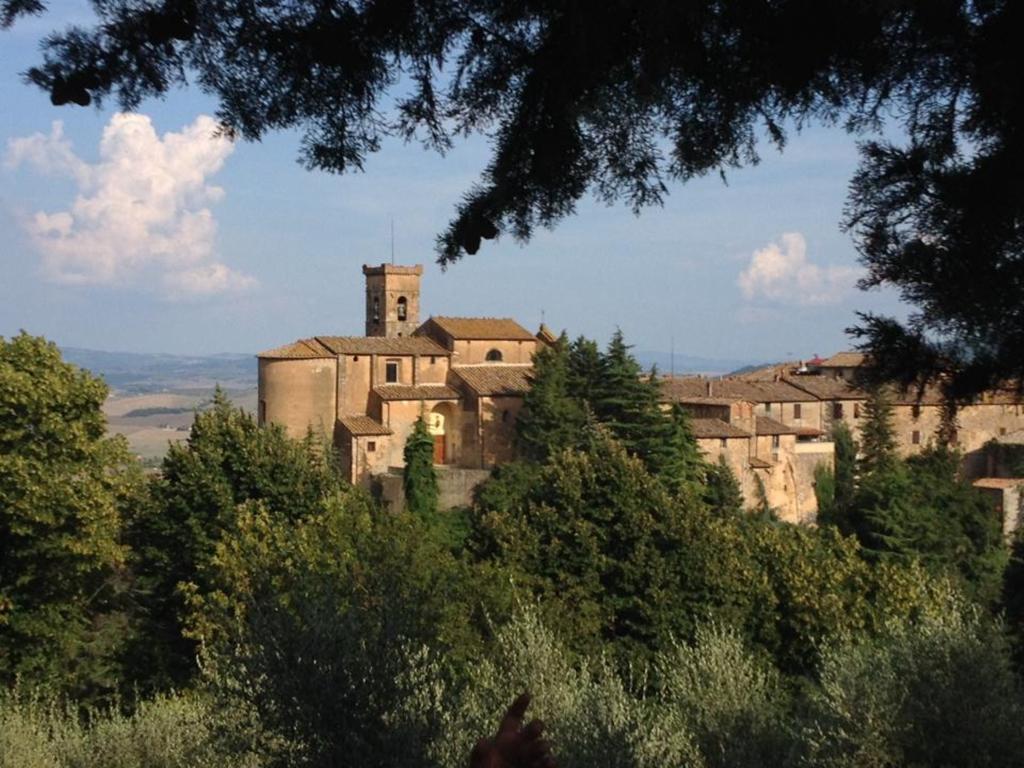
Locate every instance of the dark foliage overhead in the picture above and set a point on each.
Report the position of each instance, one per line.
(620, 98)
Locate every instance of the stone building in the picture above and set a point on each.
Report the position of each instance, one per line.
(769, 433)
(465, 376)
(812, 397)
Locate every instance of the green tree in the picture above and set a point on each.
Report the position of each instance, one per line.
(627, 403)
(308, 619)
(722, 490)
(227, 460)
(600, 540)
(825, 493)
(684, 469)
(845, 473)
(419, 479)
(552, 416)
(65, 490)
(877, 440)
(586, 368)
(923, 509)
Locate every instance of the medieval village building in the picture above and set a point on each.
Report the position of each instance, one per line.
(466, 376)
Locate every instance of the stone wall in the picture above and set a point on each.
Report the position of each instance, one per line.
(498, 425)
(298, 395)
(471, 351)
(455, 486)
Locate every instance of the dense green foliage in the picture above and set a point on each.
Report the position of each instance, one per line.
(419, 480)
(65, 490)
(553, 413)
(575, 386)
(179, 731)
(656, 623)
(877, 439)
(228, 460)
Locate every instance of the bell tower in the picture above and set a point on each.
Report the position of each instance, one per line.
(392, 299)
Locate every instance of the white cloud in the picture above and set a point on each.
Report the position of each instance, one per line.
(781, 272)
(141, 214)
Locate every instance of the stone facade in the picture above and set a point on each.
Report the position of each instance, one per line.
(767, 432)
(392, 300)
(464, 376)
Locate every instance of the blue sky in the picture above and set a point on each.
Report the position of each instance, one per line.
(161, 242)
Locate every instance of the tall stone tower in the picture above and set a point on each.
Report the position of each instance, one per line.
(392, 299)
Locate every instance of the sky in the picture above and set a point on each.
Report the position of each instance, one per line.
(143, 232)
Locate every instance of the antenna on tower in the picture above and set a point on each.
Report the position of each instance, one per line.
(542, 315)
(392, 241)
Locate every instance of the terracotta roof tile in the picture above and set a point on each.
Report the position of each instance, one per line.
(298, 350)
(421, 392)
(489, 328)
(848, 359)
(495, 379)
(381, 345)
(363, 425)
(715, 428)
(826, 388)
(725, 390)
(767, 426)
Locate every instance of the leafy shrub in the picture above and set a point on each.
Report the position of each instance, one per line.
(938, 693)
(166, 732)
(595, 719)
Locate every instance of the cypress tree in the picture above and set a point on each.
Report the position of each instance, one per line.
(877, 441)
(684, 469)
(626, 402)
(722, 491)
(419, 479)
(585, 368)
(551, 418)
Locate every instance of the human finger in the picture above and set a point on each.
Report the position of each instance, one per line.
(482, 755)
(513, 718)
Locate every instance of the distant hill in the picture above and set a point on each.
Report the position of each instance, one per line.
(667, 362)
(132, 372)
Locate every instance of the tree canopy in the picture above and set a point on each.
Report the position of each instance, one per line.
(619, 99)
(65, 489)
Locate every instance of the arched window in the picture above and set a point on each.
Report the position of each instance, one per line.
(402, 304)
(494, 356)
(376, 309)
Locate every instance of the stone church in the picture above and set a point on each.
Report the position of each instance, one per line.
(465, 376)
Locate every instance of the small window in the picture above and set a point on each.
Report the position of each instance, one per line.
(915, 411)
(722, 442)
(355, 358)
(915, 437)
(856, 410)
(433, 360)
(371, 446)
(1002, 430)
(376, 309)
(796, 411)
(494, 356)
(767, 407)
(775, 441)
(391, 371)
(402, 308)
(837, 410)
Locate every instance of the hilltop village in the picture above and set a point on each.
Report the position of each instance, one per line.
(467, 377)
